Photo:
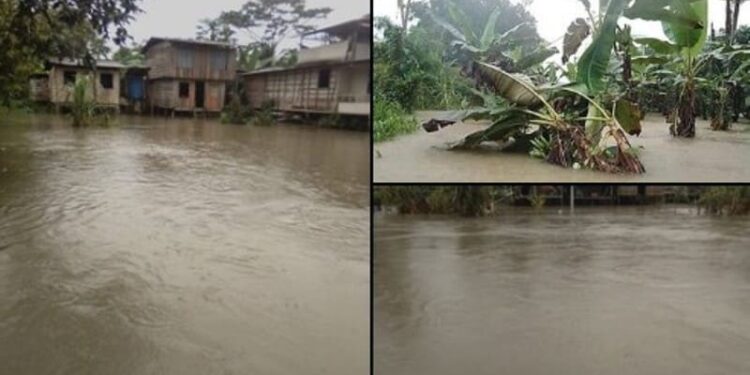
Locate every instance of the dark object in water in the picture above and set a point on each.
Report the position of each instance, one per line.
(435, 125)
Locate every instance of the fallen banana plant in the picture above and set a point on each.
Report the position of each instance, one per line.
(531, 113)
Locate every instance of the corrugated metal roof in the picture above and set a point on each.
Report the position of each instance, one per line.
(344, 27)
(209, 43)
(106, 64)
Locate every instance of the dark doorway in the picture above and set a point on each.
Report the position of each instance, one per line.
(200, 94)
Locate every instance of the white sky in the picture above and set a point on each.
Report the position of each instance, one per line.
(554, 16)
(179, 18)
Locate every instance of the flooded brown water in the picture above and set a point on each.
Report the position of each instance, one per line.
(711, 157)
(182, 247)
(601, 291)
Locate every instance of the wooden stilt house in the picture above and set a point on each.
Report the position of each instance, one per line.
(188, 75)
(333, 78)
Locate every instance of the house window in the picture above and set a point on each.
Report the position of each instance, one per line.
(219, 60)
(185, 58)
(105, 79)
(184, 90)
(69, 77)
(324, 78)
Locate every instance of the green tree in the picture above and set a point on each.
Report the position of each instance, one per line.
(129, 55)
(268, 22)
(215, 30)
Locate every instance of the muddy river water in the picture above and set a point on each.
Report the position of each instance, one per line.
(182, 247)
(600, 291)
(711, 157)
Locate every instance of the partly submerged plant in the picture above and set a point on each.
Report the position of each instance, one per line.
(264, 116)
(726, 200)
(685, 24)
(531, 111)
(82, 108)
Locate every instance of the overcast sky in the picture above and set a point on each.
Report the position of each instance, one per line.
(179, 18)
(554, 16)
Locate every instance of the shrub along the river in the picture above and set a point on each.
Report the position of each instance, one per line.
(462, 200)
(82, 108)
(726, 200)
(390, 120)
(264, 115)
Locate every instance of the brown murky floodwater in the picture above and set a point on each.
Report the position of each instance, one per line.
(601, 291)
(710, 157)
(182, 247)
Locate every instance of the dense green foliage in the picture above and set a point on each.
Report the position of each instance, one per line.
(409, 70)
(129, 55)
(390, 120)
(462, 200)
(418, 64)
(726, 200)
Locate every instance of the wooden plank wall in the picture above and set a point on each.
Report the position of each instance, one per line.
(160, 60)
(354, 80)
(163, 59)
(61, 94)
(161, 93)
(295, 90)
(164, 93)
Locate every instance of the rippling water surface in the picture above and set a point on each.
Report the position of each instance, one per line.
(602, 291)
(182, 247)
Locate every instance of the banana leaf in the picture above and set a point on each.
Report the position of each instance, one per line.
(515, 88)
(691, 39)
(651, 10)
(502, 129)
(628, 115)
(592, 67)
(488, 36)
(649, 60)
(577, 32)
(461, 20)
(658, 45)
(741, 72)
(586, 4)
(535, 57)
(447, 26)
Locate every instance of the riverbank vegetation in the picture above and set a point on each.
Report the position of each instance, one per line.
(486, 200)
(391, 120)
(576, 110)
(726, 200)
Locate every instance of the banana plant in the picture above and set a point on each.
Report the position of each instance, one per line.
(685, 24)
(534, 113)
(499, 49)
(716, 72)
(595, 66)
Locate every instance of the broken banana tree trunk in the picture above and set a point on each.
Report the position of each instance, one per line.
(531, 113)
